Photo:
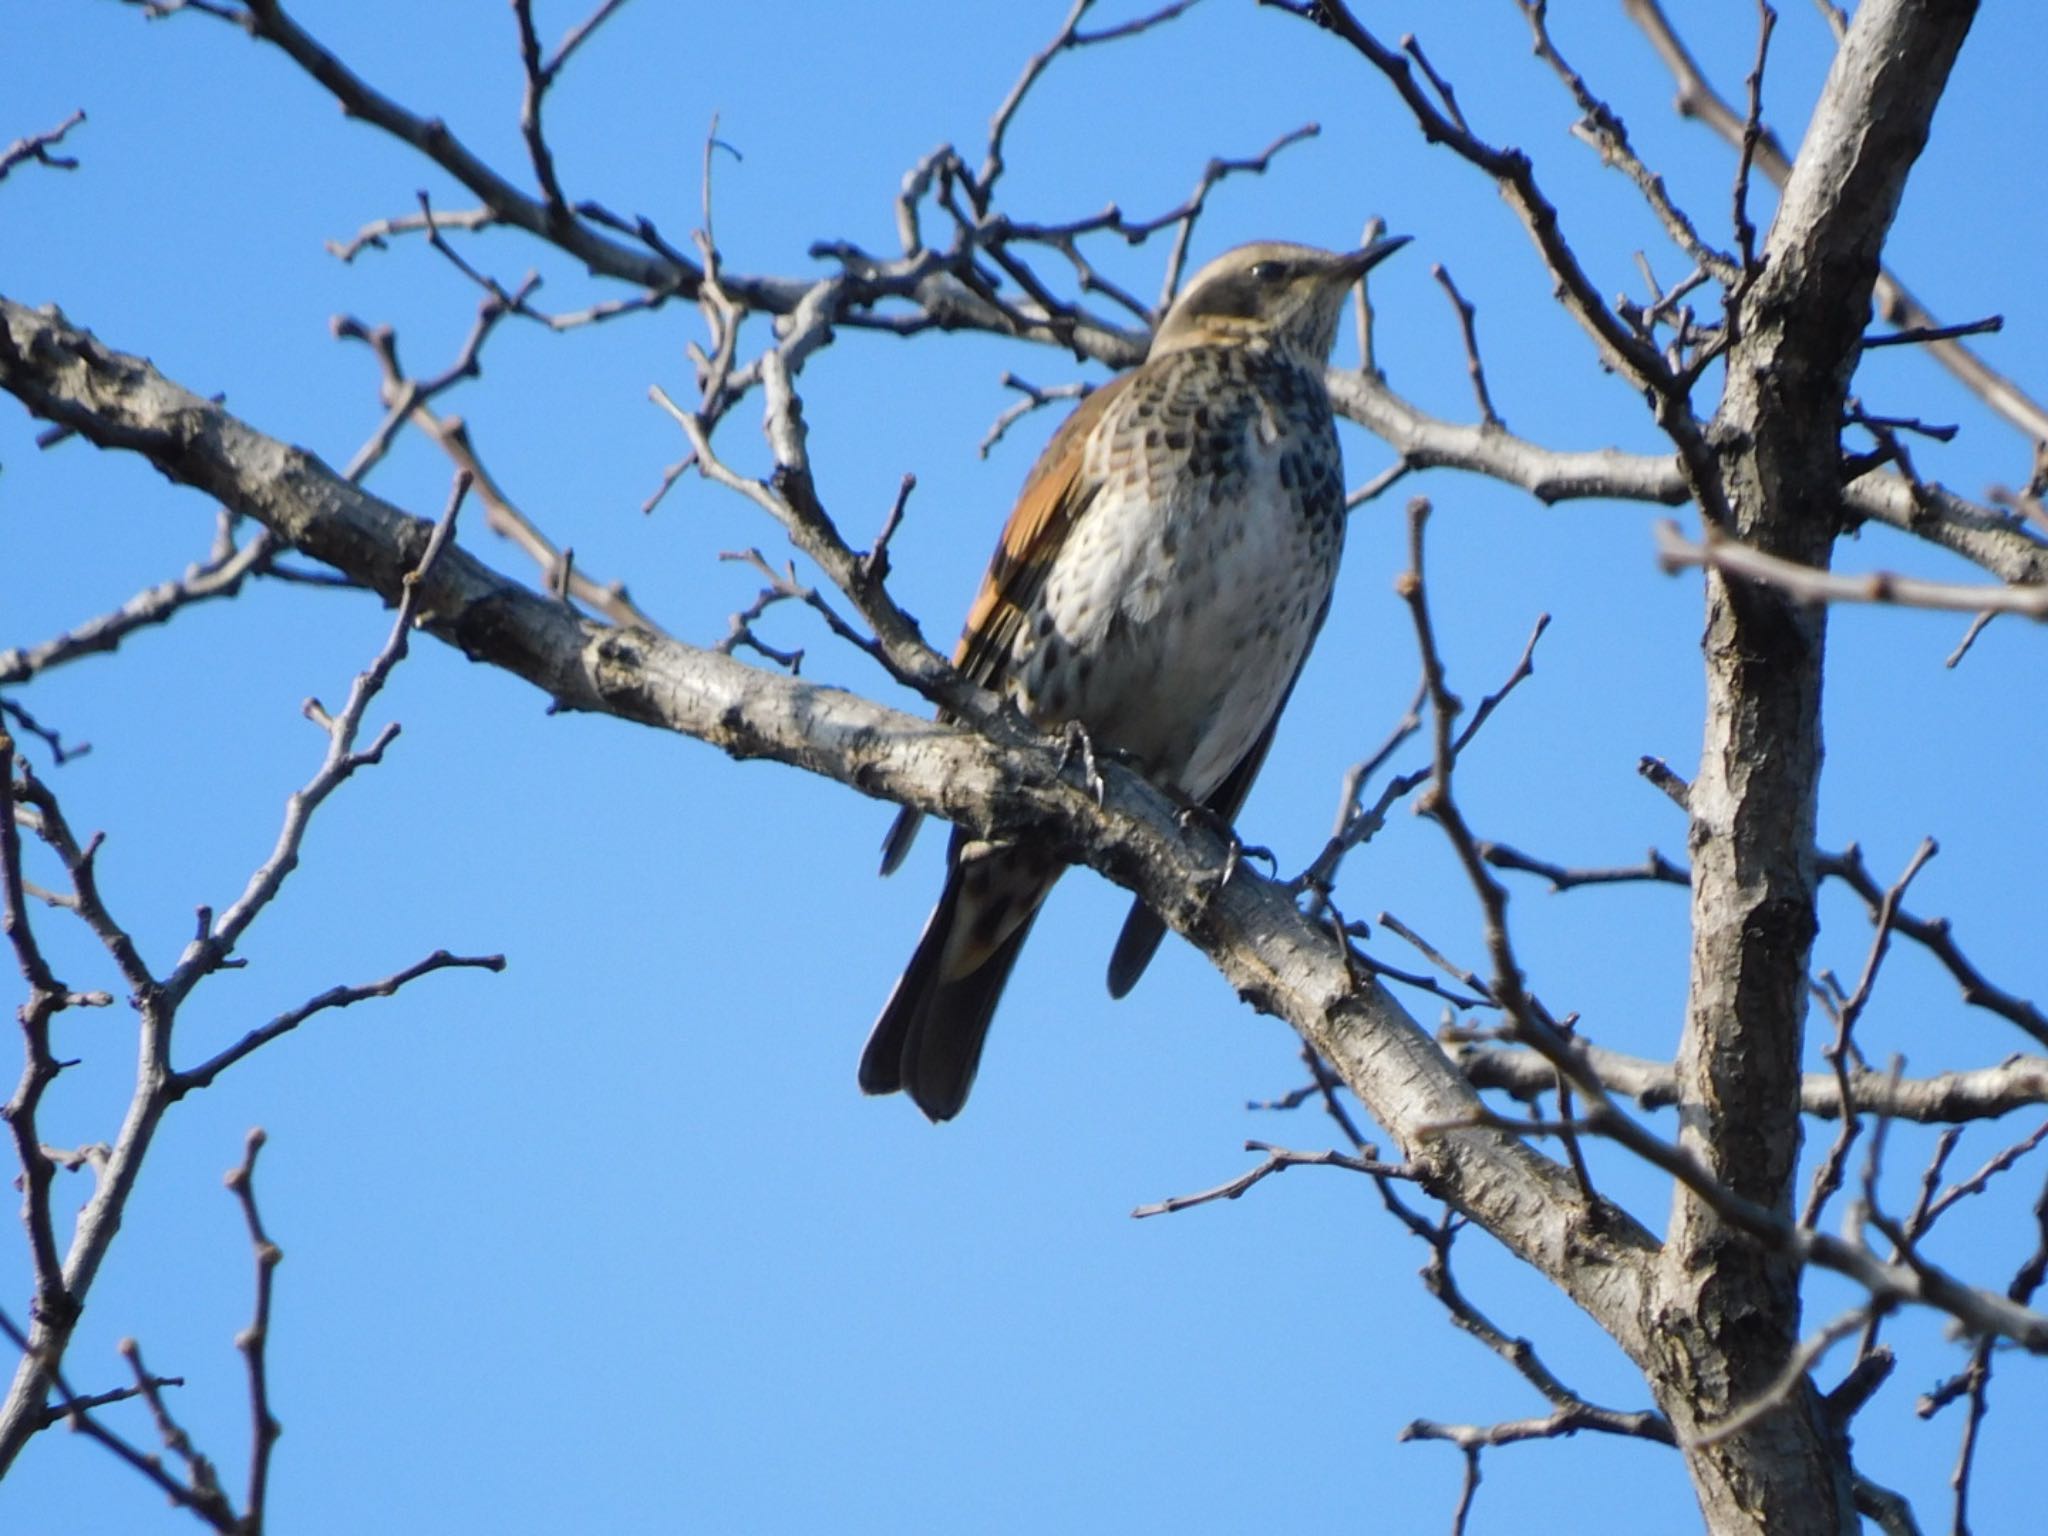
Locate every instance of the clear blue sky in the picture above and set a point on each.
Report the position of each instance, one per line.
(611, 1241)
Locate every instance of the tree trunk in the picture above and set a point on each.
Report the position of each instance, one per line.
(1727, 1314)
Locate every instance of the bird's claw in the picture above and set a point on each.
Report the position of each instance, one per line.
(1075, 743)
(1193, 814)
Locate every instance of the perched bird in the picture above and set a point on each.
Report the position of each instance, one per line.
(1159, 584)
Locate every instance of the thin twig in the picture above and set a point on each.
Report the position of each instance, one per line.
(1278, 1160)
(1827, 1177)
(210, 949)
(37, 147)
(51, 738)
(1034, 398)
(1698, 99)
(1467, 315)
(253, 1340)
(220, 576)
(203, 1075)
(1752, 133)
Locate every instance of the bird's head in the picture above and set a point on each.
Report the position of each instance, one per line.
(1284, 295)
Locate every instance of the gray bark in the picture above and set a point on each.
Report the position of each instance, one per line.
(1728, 1314)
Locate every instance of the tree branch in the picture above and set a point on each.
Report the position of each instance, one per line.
(1805, 584)
(1002, 783)
(37, 147)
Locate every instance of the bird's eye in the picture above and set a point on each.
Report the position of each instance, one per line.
(1268, 271)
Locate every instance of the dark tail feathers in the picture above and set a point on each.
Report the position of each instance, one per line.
(1135, 947)
(928, 1039)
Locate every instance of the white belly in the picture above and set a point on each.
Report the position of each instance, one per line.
(1175, 618)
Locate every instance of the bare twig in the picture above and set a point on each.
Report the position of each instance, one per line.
(782, 587)
(1640, 1424)
(77, 1411)
(1602, 127)
(1034, 398)
(1278, 1160)
(408, 400)
(1827, 1177)
(255, 1338)
(51, 738)
(1467, 317)
(1355, 825)
(1420, 982)
(1570, 1412)
(1752, 133)
(790, 498)
(212, 947)
(203, 1075)
(1619, 346)
(1697, 98)
(1439, 959)
(378, 233)
(539, 77)
(221, 575)
(201, 1489)
(62, 1288)
(1919, 335)
(1977, 627)
(1655, 869)
(1936, 935)
(1906, 1277)
(47, 996)
(1411, 46)
(37, 147)
(1999, 1162)
(981, 185)
(876, 560)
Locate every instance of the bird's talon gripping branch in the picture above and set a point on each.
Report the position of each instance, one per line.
(1076, 745)
(1193, 814)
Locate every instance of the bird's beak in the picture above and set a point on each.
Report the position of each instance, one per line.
(1362, 261)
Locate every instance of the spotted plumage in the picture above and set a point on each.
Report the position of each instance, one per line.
(1166, 569)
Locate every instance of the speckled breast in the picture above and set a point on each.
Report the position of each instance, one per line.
(1173, 621)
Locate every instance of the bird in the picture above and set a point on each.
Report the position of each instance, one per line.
(1168, 564)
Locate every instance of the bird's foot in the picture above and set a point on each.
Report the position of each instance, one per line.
(1077, 745)
(1192, 814)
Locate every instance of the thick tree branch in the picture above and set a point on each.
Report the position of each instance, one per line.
(1012, 781)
